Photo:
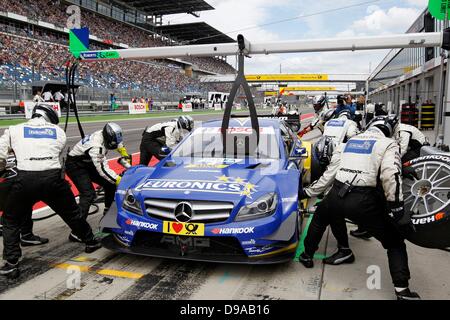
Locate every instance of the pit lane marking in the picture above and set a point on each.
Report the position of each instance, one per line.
(103, 272)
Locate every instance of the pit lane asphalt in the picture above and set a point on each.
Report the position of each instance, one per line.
(48, 272)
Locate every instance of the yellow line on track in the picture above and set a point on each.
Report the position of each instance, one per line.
(103, 272)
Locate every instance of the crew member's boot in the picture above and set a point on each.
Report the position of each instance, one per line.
(342, 255)
(306, 260)
(28, 240)
(406, 294)
(10, 269)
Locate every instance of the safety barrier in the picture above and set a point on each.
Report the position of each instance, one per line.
(410, 114)
(428, 116)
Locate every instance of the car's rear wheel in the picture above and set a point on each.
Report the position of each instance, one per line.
(427, 200)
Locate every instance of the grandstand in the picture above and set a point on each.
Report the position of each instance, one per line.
(33, 45)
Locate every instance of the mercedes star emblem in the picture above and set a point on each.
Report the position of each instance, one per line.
(183, 212)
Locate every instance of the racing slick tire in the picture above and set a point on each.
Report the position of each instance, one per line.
(427, 200)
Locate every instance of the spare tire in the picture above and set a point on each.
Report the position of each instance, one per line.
(427, 200)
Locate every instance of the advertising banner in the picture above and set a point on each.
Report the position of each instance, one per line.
(187, 107)
(29, 106)
(137, 108)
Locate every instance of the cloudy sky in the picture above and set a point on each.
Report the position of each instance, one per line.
(259, 20)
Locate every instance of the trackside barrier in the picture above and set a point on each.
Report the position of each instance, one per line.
(137, 108)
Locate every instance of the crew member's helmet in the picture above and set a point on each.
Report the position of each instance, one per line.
(327, 114)
(45, 111)
(345, 113)
(387, 124)
(185, 123)
(318, 106)
(340, 99)
(323, 150)
(112, 135)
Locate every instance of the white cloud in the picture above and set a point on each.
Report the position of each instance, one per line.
(378, 21)
(230, 16)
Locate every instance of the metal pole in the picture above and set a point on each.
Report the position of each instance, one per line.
(444, 106)
(15, 81)
(408, 40)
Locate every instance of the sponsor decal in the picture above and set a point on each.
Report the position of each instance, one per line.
(123, 238)
(184, 229)
(100, 55)
(431, 157)
(89, 55)
(248, 242)
(39, 133)
(259, 250)
(359, 146)
(212, 163)
(192, 242)
(242, 130)
(141, 224)
(222, 184)
(429, 219)
(129, 232)
(246, 230)
(336, 123)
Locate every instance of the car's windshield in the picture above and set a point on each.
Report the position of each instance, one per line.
(207, 142)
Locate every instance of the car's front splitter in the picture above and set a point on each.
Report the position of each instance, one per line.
(281, 256)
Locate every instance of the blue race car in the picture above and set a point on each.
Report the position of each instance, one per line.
(204, 203)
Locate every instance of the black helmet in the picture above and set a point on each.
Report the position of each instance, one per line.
(112, 135)
(185, 122)
(340, 99)
(45, 111)
(324, 149)
(386, 124)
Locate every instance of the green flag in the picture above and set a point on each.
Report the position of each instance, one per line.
(438, 8)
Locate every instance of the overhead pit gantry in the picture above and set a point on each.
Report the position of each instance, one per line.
(244, 48)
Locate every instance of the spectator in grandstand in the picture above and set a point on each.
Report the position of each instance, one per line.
(26, 49)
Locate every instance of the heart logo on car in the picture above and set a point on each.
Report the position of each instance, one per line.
(177, 227)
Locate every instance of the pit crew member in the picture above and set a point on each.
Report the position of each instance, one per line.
(323, 116)
(356, 194)
(411, 140)
(37, 145)
(163, 134)
(86, 164)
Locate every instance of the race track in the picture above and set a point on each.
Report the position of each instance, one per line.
(48, 271)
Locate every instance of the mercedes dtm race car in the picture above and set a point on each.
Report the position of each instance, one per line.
(238, 205)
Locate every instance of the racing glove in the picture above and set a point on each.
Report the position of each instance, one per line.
(304, 131)
(401, 219)
(118, 180)
(124, 153)
(408, 172)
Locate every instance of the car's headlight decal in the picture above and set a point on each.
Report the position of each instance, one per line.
(131, 204)
(262, 207)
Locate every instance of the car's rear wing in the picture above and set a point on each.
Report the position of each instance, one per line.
(292, 120)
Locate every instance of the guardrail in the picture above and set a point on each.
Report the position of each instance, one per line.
(88, 113)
